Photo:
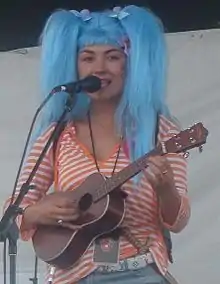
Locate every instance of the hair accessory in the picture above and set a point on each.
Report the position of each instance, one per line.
(126, 46)
(119, 13)
(85, 14)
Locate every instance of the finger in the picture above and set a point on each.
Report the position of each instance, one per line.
(59, 221)
(66, 203)
(163, 167)
(154, 170)
(155, 176)
(49, 221)
(158, 161)
(67, 218)
(65, 214)
(151, 179)
(71, 226)
(65, 211)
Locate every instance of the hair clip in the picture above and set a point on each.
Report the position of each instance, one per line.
(125, 45)
(119, 13)
(85, 14)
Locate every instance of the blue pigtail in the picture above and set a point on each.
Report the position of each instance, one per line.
(145, 87)
(58, 65)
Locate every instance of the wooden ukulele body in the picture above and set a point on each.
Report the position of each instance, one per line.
(63, 247)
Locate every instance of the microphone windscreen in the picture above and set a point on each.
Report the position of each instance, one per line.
(91, 84)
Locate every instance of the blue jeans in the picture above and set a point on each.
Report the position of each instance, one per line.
(146, 275)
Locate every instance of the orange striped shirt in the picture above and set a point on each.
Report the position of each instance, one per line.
(74, 164)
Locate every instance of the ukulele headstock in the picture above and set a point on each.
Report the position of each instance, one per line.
(187, 139)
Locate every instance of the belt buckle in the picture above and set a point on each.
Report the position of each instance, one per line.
(136, 263)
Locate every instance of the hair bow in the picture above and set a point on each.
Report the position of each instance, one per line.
(85, 14)
(119, 13)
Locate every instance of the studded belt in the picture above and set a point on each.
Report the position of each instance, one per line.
(132, 263)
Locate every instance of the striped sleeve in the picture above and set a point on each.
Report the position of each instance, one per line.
(41, 181)
(179, 167)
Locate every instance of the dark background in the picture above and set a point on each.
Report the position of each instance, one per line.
(22, 21)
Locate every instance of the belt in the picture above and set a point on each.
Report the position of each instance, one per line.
(132, 263)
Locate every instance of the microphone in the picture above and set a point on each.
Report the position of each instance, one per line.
(89, 84)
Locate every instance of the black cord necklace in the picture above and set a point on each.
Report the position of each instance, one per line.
(93, 147)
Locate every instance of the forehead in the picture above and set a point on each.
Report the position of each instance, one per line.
(100, 49)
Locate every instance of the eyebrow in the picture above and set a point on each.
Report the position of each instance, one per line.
(106, 52)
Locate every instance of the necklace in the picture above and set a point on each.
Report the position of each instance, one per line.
(141, 248)
(93, 147)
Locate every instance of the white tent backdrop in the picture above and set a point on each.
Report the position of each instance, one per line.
(194, 85)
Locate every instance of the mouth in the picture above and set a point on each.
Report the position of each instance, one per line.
(105, 83)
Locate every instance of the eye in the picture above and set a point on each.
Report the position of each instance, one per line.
(87, 59)
(114, 57)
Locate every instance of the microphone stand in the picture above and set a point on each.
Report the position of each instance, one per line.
(8, 228)
(34, 280)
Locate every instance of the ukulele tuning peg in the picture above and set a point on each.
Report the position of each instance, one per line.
(186, 155)
(200, 149)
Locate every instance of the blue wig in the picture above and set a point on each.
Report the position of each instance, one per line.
(66, 32)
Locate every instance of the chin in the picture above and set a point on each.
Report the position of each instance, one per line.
(102, 95)
(96, 96)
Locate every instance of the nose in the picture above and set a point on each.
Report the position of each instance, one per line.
(100, 65)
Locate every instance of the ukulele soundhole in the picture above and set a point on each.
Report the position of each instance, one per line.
(85, 202)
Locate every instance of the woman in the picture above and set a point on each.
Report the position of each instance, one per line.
(107, 130)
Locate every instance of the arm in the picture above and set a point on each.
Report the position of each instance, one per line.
(174, 201)
(42, 181)
(168, 176)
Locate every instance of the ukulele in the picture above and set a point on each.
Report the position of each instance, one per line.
(101, 203)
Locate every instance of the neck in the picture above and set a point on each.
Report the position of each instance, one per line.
(103, 111)
(103, 116)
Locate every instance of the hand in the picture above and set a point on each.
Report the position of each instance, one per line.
(160, 174)
(51, 209)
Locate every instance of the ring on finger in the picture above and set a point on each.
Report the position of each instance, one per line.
(60, 222)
